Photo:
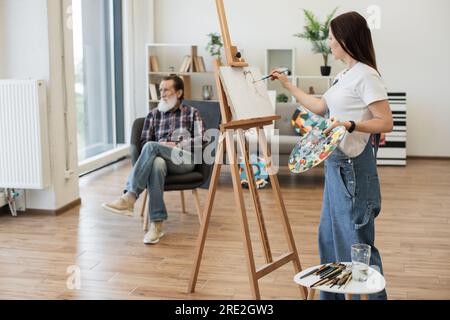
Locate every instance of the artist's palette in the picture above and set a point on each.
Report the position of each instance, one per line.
(314, 147)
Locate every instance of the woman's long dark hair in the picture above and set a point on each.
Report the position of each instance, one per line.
(353, 34)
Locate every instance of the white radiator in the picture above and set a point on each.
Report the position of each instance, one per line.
(24, 148)
(3, 201)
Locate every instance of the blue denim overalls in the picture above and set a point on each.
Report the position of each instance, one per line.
(351, 202)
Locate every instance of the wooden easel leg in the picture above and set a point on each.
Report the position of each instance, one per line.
(254, 193)
(207, 215)
(239, 197)
(279, 199)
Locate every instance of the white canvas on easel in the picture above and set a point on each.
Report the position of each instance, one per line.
(247, 100)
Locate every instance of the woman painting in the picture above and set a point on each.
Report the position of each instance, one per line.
(357, 100)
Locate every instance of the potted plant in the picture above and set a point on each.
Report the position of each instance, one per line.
(317, 33)
(214, 46)
(282, 98)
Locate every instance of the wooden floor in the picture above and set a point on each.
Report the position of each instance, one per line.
(413, 235)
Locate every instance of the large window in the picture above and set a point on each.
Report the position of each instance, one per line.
(97, 36)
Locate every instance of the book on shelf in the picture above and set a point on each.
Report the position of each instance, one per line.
(199, 64)
(202, 64)
(153, 91)
(190, 64)
(186, 64)
(195, 64)
(153, 64)
(158, 93)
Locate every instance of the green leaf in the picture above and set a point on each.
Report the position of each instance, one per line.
(214, 45)
(317, 33)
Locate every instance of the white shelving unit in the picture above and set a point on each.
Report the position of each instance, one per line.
(285, 58)
(170, 59)
(280, 58)
(320, 84)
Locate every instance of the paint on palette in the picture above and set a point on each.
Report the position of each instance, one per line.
(314, 147)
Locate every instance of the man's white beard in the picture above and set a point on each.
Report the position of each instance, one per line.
(168, 105)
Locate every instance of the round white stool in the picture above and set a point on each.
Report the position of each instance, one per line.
(374, 284)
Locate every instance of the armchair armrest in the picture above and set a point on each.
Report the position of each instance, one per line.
(135, 142)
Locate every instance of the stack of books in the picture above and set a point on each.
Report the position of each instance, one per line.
(154, 91)
(193, 64)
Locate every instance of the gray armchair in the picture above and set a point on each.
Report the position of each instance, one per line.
(201, 176)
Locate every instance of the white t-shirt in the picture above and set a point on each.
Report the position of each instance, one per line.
(348, 99)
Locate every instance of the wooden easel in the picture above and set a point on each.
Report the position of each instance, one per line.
(228, 128)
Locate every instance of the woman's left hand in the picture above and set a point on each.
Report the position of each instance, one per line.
(335, 123)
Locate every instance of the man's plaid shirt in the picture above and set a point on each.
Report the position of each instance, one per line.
(183, 126)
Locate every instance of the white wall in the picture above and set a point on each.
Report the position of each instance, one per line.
(412, 48)
(23, 35)
(3, 36)
(31, 46)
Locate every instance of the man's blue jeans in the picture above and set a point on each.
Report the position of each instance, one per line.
(351, 202)
(150, 171)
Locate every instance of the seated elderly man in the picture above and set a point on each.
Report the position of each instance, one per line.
(169, 135)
